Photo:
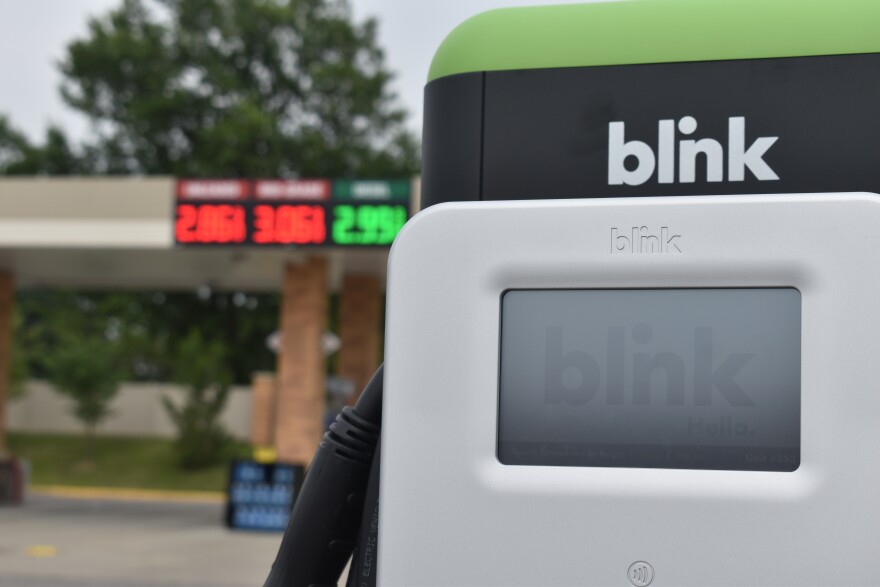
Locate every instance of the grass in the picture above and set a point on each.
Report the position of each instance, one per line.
(113, 462)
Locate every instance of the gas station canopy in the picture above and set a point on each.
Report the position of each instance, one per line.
(131, 233)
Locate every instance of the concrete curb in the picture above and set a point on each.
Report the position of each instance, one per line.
(128, 494)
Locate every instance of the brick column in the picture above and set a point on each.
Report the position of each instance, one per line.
(7, 298)
(263, 409)
(360, 316)
(300, 402)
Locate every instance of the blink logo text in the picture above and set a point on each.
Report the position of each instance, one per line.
(634, 162)
(575, 377)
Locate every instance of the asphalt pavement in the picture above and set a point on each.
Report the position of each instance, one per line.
(59, 542)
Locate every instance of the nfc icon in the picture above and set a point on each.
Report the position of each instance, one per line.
(640, 574)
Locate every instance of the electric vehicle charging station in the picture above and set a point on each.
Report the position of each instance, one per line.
(636, 344)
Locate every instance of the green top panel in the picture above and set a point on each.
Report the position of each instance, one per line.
(657, 31)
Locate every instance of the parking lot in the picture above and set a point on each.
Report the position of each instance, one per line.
(59, 542)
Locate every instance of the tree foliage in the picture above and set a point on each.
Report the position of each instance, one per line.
(202, 440)
(226, 88)
(19, 157)
(87, 371)
(20, 355)
(146, 328)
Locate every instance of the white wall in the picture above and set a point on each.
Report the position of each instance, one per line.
(137, 410)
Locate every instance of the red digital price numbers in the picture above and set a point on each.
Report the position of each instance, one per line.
(289, 224)
(210, 223)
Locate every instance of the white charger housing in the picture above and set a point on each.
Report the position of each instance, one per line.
(665, 391)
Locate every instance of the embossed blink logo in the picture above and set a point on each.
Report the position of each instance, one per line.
(641, 239)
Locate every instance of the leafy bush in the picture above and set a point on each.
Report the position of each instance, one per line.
(202, 441)
(18, 360)
(86, 370)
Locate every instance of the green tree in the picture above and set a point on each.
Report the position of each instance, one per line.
(56, 157)
(19, 370)
(86, 369)
(220, 88)
(146, 328)
(202, 440)
(247, 88)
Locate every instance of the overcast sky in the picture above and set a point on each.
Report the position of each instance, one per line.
(34, 33)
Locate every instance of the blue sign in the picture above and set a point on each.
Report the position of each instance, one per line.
(261, 496)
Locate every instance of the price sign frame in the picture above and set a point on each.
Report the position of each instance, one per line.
(358, 214)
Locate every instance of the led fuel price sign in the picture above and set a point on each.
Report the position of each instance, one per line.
(211, 212)
(210, 223)
(289, 224)
(367, 224)
(311, 212)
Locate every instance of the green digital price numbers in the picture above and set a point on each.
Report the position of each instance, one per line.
(367, 224)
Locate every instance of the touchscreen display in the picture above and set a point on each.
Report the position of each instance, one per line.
(651, 378)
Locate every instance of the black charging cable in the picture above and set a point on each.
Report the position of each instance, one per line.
(365, 558)
(329, 522)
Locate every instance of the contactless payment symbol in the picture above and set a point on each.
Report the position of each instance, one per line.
(640, 574)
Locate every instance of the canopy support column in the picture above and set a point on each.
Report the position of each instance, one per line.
(300, 403)
(7, 301)
(360, 315)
